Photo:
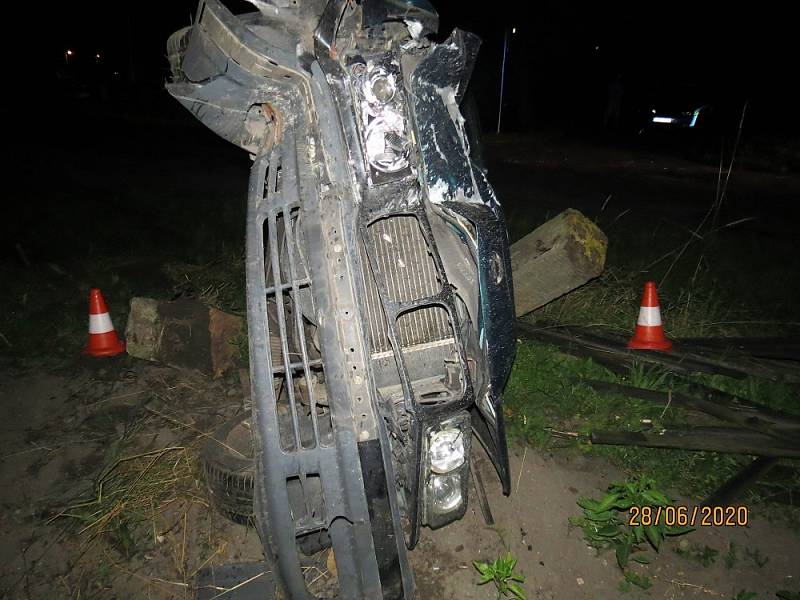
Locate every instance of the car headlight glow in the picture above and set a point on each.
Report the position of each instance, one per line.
(695, 114)
(446, 450)
(445, 492)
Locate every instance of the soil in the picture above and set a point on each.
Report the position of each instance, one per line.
(533, 523)
(64, 420)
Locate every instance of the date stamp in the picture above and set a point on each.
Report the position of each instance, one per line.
(689, 516)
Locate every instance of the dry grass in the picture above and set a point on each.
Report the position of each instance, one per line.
(219, 283)
(134, 491)
(694, 310)
(146, 520)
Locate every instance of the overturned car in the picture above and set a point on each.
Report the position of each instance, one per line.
(378, 277)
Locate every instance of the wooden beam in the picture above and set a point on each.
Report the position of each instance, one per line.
(727, 493)
(556, 258)
(774, 425)
(779, 348)
(610, 349)
(714, 439)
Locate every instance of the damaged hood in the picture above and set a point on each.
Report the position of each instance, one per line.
(438, 84)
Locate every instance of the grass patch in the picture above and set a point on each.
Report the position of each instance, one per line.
(545, 400)
(219, 283)
(612, 301)
(702, 555)
(545, 395)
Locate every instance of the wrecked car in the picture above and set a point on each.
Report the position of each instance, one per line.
(378, 276)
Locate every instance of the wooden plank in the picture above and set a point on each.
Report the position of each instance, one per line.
(779, 348)
(769, 423)
(729, 491)
(713, 439)
(779, 484)
(609, 348)
(777, 419)
(776, 370)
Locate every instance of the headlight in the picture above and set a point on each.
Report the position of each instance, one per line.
(387, 146)
(445, 492)
(695, 114)
(446, 450)
(379, 87)
(446, 447)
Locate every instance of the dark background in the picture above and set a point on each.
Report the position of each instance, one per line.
(559, 61)
(112, 164)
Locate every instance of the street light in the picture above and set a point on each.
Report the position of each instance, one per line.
(503, 75)
(67, 54)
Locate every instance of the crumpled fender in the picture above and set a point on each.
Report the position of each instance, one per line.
(453, 182)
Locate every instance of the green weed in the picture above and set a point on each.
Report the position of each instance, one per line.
(606, 522)
(704, 555)
(755, 556)
(647, 376)
(640, 581)
(731, 557)
(501, 573)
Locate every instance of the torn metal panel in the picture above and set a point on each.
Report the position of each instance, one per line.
(437, 85)
(455, 184)
(223, 72)
(421, 13)
(230, 111)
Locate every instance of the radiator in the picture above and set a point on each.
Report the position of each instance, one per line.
(403, 258)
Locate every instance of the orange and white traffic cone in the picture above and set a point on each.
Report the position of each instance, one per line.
(649, 334)
(103, 340)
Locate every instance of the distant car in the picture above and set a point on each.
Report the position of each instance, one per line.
(682, 118)
(686, 118)
(673, 107)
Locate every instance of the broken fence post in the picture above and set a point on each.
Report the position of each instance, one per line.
(184, 333)
(556, 258)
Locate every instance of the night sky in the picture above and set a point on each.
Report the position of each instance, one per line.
(560, 58)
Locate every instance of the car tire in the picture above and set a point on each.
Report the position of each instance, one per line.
(229, 473)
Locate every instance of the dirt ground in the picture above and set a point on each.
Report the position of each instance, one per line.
(62, 424)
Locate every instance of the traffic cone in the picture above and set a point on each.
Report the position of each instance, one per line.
(103, 340)
(649, 334)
